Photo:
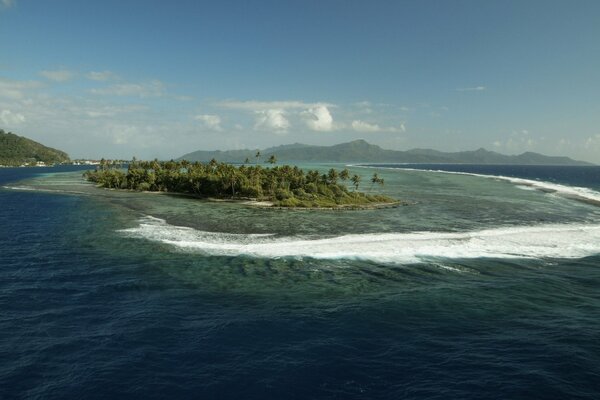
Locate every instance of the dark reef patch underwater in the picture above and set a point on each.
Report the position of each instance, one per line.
(485, 288)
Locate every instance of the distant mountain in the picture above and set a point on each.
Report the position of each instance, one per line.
(361, 151)
(17, 150)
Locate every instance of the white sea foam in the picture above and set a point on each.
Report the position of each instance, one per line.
(573, 192)
(19, 188)
(544, 241)
(41, 189)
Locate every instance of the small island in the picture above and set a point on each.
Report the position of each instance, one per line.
(274, 186)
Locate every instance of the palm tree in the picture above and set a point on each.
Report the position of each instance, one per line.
(231, 178)
(355, 181)
(257, 156)
(376, 179)
(332, 176)
(345, 174)
(220, 179)
(312, 176)
(272, 159)
(213, 164)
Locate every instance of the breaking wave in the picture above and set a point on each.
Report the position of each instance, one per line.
(572, 192)
(533, 242)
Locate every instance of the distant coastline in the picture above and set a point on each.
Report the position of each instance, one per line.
(360, 151)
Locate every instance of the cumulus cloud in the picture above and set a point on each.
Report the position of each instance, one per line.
(272, 119)
(319, 119)
(59, 75)
(366, 127)
(275, 115)
(100, 75)
(362, 126)
(9, 118)
(153, 88)
(472, 89)
(212, 122)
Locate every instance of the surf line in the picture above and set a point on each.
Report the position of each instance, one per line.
(578, 193)
(524, 242)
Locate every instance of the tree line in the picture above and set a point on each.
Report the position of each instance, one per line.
(285, 185)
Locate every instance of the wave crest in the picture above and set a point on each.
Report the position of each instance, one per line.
(579, 193)
(543, 241)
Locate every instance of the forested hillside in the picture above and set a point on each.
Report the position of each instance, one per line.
(17, 150)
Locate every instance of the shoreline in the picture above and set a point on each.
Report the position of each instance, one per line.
(341, 207)
(266, 204)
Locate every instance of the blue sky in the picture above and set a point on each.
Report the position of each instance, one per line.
(159, 79)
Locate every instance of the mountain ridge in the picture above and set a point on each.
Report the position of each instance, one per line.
(362, 151)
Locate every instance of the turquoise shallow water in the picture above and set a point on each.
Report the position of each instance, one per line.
(483, 288)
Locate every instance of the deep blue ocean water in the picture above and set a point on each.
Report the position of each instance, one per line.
(126, 295)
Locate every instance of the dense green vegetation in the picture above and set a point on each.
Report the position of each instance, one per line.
(284, 186)
(16, 150)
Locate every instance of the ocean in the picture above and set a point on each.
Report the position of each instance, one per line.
(485, 286)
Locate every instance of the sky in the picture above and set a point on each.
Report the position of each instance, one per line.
(158, 79)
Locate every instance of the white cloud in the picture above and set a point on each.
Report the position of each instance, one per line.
(366, 127)
(275, 115)
(134, 136)
(472, 89)
(100, 75)
(361, 126)
(16, 90)
(253, 105)
(212, 122)
(59, 75)
(9, 118)
(273, 119)
(281, 116)
(319, 119)
(153, 88)
(364, 106)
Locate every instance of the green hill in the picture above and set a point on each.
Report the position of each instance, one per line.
(361, 151)
(17, 150)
